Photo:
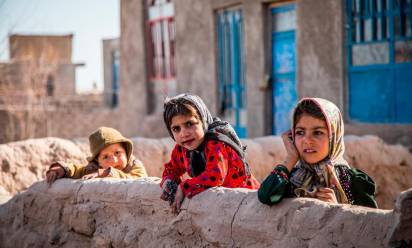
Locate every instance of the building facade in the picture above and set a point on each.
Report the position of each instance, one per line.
(38, 98)
(252, 60)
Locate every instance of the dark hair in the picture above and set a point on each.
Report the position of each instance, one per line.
(178, 106)
(308, 107)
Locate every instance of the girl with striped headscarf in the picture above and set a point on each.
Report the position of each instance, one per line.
(207, 150)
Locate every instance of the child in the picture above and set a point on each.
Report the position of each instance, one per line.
(111, 157)
(314, 165)
(206, 148)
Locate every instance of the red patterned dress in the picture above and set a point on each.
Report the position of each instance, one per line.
(223, 168)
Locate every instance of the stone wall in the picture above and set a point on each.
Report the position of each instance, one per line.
(129, 213)
(25, 162)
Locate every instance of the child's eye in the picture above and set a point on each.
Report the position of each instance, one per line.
(175, 129)
(299, 132)
(116, 153)
(105, 157)
(190, 124)
(318, 133)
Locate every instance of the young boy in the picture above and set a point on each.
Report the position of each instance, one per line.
(206, 148)
(111, 157)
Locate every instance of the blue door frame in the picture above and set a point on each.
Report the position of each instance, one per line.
(231, 68)
(284, 93)
(379, 88)
(115, 78)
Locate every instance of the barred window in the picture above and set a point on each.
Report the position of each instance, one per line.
(161, 39)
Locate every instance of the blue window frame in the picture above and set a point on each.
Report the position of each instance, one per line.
(284, 93)
(231, 68)
(379, 57)
(115, 79)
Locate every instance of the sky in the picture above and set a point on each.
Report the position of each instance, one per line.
(89, 21)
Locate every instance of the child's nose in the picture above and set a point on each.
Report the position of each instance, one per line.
(307, 138)
(113, 159)
(184, 132)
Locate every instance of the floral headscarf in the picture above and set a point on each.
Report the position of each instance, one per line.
(308, 178)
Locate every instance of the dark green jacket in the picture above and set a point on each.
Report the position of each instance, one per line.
(277, 186)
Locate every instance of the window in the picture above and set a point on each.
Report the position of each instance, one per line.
(379, 47)
(231, 68)
(115, 79)
(161, 40)
(160, 44)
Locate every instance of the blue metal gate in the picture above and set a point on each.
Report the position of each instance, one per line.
(379, 55)
(231, 68)
(284, 93)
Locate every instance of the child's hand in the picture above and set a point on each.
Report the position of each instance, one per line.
(103, 172)
(91, 176)
(292, 156)
(54, 173)
(178, 201)
(326, 195)
(164, 195)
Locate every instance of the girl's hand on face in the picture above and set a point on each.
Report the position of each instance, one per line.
(178, 201)
(326, 195)
(292, 156)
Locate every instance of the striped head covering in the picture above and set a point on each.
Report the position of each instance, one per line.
(308, 178)
(214, 128)
(193, 100)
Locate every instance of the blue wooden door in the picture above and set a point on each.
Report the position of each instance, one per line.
(231, 69)
(379, 56)
(284, 93)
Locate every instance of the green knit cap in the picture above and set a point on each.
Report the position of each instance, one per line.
(105, 136)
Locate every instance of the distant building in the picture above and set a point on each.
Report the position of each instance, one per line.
(37, 93)
(45, 56)
(50, 48)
